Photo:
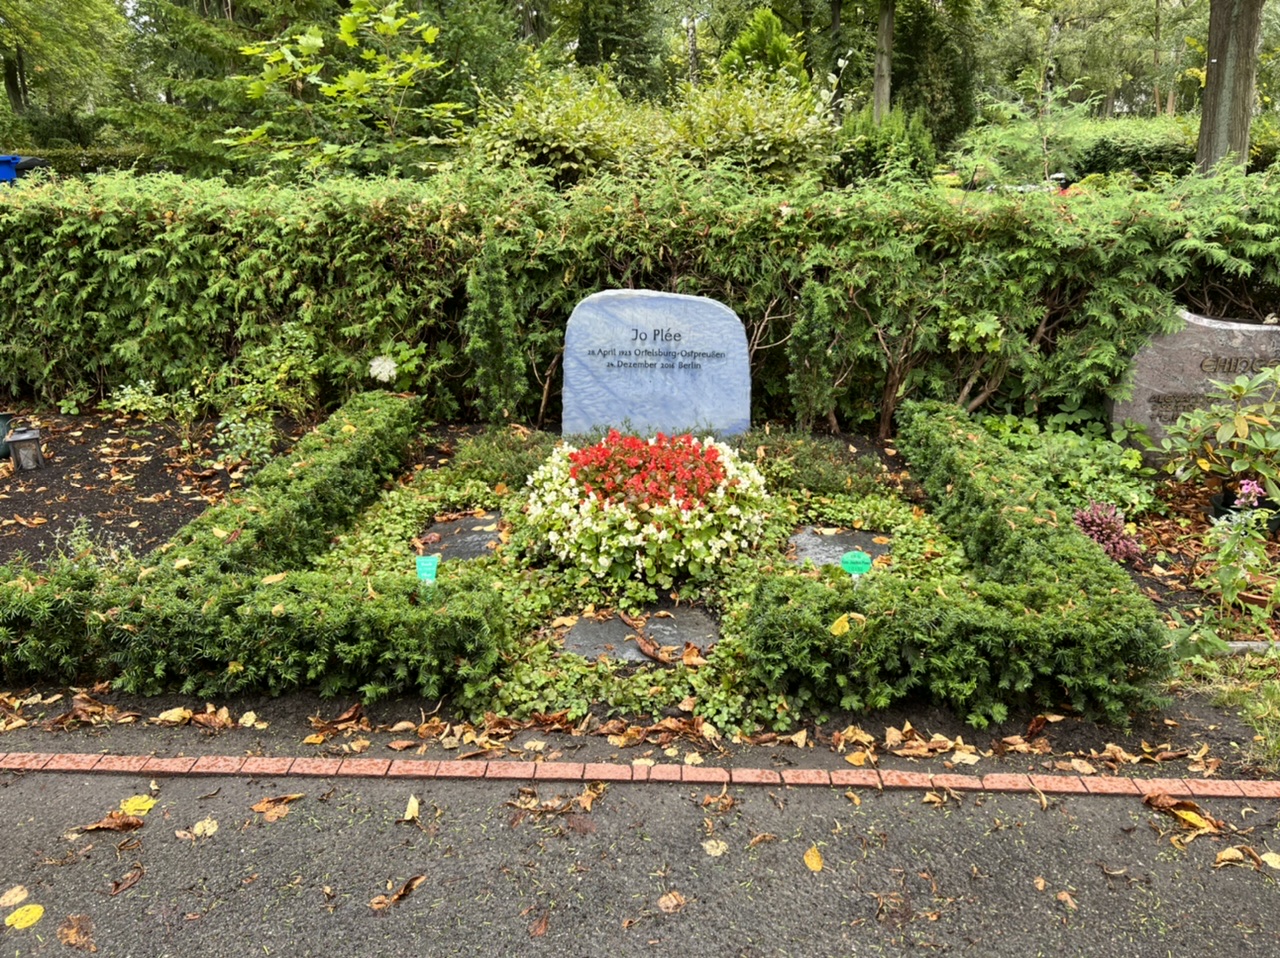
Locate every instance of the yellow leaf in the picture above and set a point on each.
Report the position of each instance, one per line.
(205, 827)
(693, 758)
(1229, 856)
(1040, 883)
(411, 810)
(181, 563)
(857, 759)
(173, 716)
(1271, 858)
(813, 859)
(137, 805)
(219, 533)
(841, 625)
(316, 739)
(714, 847)
(248, 720)
(14, 896)
(273, 579)
(277, 610)
(25, 917)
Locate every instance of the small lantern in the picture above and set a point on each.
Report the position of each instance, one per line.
(24, 449)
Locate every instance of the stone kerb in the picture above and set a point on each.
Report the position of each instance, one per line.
(1173, 373)
(655, 362)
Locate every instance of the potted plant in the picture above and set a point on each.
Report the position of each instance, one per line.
(1234, 438)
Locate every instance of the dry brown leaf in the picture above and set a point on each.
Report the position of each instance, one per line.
(77, 932)
(539, 927)
(274, 809)
(1066, 899)
(129, 880)
(14, 896)
(761, 839)
(399, 745)
(671, 902)
(1040, 883)
(116, 821)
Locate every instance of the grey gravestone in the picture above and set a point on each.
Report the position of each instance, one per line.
(1172, 374)
(655, 362)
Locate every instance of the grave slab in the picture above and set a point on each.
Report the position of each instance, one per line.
(1173, 373)
(827, 548)
(614, 639)
(650, 362)
(468, 538)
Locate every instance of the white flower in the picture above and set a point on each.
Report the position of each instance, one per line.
(383, 369)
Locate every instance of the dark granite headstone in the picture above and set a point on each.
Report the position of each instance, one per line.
(1172, 374)
(655, 362)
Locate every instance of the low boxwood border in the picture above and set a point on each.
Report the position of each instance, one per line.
(1047, 620)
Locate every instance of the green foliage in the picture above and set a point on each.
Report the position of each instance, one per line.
(764, 47)
(898, 144)
(1077, 462)
(43, 619)
(1236, 436)
(1016, 633)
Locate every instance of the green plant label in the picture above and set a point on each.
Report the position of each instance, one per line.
(427, 567)
(855, 563)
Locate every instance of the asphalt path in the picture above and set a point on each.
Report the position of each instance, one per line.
(649, 869)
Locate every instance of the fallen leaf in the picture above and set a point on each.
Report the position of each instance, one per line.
(137, 805)
(14, 896)
(714, 847)
(410, 811)
(671, 902)
(24, 917)
(1083, 767)
(380, 902)
(1229, 856)
(129, 880)
(115, 822)
(401, 744)
(77, 932)
(539, 927)
(1066, 899)
(841, 625)
(181, 563)
(316, 739)
(273, 579)
(274, 809)
(173, 716)
(813, 859)
(205, 828)
(693, 758)
(1271, 859)
(1040, 883)
(761, 839)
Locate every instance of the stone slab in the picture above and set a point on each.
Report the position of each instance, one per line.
(1173, 373)
(827, 548)
(614, 639)
(469, 538)
(649, 362)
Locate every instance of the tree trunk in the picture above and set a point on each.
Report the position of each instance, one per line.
(1235, 28)
(695, 66)
(884, 62)
(13, 85)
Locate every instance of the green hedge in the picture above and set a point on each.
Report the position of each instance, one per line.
(851, 298)
(1048, 620)
(230, 604)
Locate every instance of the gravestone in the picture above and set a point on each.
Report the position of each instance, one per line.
(1173, 373)
(655, 362)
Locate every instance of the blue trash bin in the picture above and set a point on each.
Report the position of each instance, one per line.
(9, 168)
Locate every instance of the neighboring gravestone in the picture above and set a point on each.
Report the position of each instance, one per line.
(1173, 373)
(655, 362)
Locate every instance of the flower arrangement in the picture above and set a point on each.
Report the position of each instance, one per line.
(654, 509)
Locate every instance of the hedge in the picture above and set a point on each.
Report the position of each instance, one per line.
(851, 298)
(1047, 620)
(230, 604)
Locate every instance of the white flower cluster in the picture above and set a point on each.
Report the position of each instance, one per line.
(383, 369)
(656, 542)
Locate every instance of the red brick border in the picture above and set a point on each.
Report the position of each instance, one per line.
(510, 770)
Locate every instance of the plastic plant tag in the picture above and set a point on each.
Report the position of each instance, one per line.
(855, 563)
(427, 567)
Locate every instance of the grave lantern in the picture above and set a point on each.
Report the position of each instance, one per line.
(24, 449)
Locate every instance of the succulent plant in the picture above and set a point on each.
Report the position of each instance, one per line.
(1104, 524)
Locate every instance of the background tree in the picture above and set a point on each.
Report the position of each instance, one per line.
(1235, 27)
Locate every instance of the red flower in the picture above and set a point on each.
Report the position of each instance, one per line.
(627, 469)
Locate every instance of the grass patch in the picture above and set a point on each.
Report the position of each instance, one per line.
(1250, 684)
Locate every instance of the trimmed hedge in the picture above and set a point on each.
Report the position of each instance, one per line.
(1049, 620)
(850, 298)
(229, 604)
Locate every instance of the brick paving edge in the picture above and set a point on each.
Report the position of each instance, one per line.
(240, 767)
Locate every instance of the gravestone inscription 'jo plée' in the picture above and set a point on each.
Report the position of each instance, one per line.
(1173, 374)
(655, 362)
